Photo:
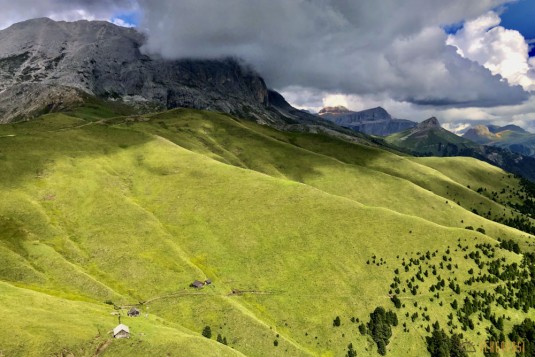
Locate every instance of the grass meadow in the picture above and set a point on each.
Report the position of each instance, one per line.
(293, 229)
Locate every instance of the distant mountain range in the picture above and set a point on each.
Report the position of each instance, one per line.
(429, 139)
(509, 147)
(511, 137)
(375, 121)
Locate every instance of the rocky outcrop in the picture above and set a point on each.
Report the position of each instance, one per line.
(104, 60)
(430, 123)
(28, 100)
(479, 134)
(334, 111)
(375, 121)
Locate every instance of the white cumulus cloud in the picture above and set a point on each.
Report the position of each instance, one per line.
(502, 51)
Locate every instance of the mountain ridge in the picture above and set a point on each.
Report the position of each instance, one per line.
(374, 121)
(511, 137)
(49, 66)
(104, 60)
(430, 139)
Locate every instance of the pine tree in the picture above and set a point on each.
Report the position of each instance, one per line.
(207, 332)
(336, 321)
(381, 347)
(350, 351)
(396, 301)
(362, 329)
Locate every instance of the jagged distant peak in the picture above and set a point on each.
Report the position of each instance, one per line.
(377, 109)
(480, 134)
(480, 129)
(492, 130)
(339, 109)
(512, 127)
(429, 123)
(374, 121)
(377, 112)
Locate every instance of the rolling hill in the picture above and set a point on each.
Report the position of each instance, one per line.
(303, 235)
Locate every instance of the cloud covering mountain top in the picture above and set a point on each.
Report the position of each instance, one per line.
(354, 47)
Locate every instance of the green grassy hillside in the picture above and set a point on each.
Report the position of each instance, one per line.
(294, 230)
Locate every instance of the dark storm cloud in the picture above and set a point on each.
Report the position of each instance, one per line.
(390, 48)
(355, 47)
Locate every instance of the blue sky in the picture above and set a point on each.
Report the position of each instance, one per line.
(132, 18)
(520, 16)
(453, 28)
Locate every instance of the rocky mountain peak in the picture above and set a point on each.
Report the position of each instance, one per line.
(336, 110)
(510, 127)
(481, 130)
(105, 60)
(483, 134)
(479, 134)
(377, 113)
(429, 124)
(374, 121)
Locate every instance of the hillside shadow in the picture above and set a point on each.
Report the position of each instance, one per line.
(236, 142)
(29, 149)
(347, 152)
